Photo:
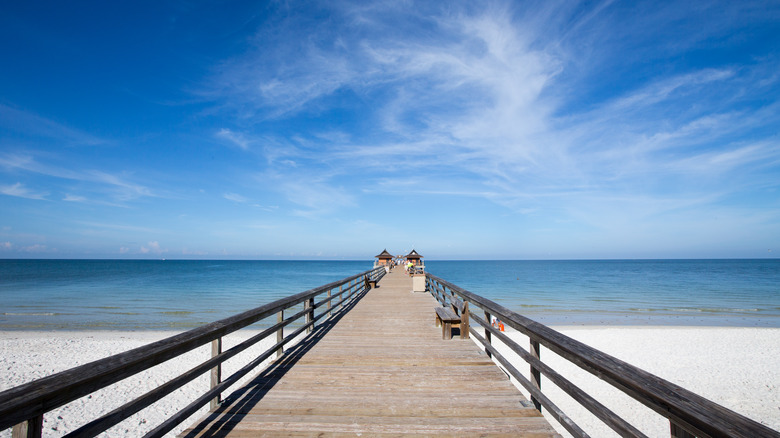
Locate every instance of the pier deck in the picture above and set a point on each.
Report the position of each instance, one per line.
(380, 369)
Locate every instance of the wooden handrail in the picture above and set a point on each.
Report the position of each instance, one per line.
(30, 401)
(689, 414)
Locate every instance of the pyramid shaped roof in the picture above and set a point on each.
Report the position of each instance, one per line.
(413, 255)
(384, 255)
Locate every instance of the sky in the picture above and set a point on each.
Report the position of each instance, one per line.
(334, 130)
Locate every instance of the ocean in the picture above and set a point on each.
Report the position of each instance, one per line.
(178, 294)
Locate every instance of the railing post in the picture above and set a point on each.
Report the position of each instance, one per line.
(536, 375)
(329, 304)
(32, 428)
(216, 373)
(280, 334)
(309, 304)
(341, 296)
(487, 332)
(678, 432)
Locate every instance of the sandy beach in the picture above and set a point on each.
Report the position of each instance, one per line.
(736, 367)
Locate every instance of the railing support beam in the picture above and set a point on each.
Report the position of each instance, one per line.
(676, 431)
(32, 428)
(488, 335)
(309, 304)
(280, 334)
(216, 373)
(536, 375)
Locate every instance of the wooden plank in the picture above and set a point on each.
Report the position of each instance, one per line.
(378, 372)
(536, 375)
(447, 315)
(677, 404)
(35, 398)
(216, 373)
(32, 428)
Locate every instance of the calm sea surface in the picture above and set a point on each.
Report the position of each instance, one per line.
(155, 295)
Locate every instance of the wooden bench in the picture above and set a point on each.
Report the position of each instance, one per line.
(456, 315)
(370, 284)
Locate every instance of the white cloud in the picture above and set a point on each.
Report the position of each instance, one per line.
(116, 186)
(74, 198)
(317, 197)
(235, 198)
(37, 248)
(34, 125)
(153, 248)
(236, 139)
(19, 190)
(492, 102)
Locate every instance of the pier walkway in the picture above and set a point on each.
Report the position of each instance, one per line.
(380, 369)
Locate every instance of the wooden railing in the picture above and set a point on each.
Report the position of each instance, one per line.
(689, 414)
(24, 406)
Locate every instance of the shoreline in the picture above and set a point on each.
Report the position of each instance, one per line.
(550, 319)
(737, 367)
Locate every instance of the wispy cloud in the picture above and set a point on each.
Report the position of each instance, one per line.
(475, 108)
(153, 248)
(235, 198)
(74, 198)
(117, 186)
(234, 138)
(19, 190)
(30, 124)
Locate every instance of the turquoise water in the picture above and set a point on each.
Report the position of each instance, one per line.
(154, 295)
(664, 292)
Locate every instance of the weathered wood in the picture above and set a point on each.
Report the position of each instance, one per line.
(190, 409)
(117, 415)
(35, 398)
(280, 334)
(448, 319)
(216, 372)
(536, 376)
(677, 431)
(556, 412)
(349, 378)
(32, 428)
(603, 413)
(446, 314)
(309, 306)
(667, 399)
(465, 317)
(488, 338)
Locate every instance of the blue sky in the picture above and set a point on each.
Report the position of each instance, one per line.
(306, 130)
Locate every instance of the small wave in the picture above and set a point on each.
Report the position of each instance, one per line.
(696, 310)
(178, 313)
(29, 314)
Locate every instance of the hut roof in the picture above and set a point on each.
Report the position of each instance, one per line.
(413, 255)
(384, 255)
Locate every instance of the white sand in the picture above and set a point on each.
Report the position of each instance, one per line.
(26, 356)
(736, 367)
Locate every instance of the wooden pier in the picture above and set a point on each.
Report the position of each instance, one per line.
(371, 362)
(382, 368)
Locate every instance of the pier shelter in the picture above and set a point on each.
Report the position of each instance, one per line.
(414, 258)
(383, 259)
